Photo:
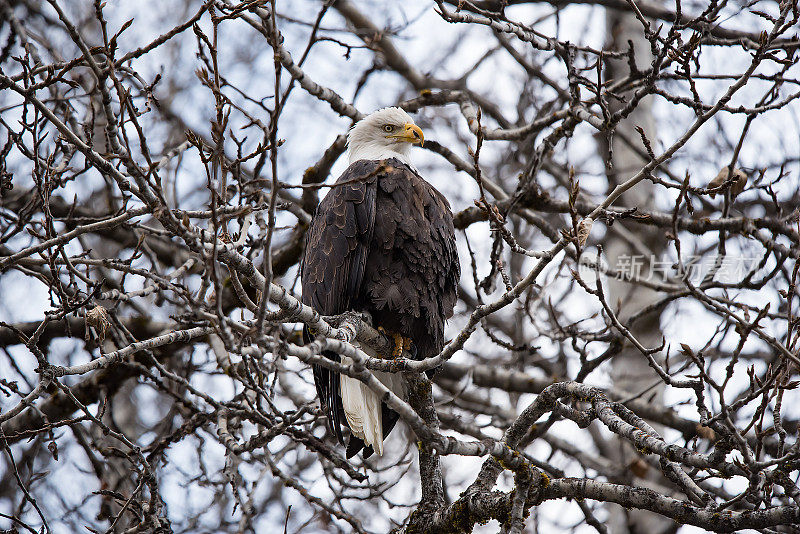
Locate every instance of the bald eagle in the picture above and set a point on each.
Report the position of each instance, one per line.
(381, 242)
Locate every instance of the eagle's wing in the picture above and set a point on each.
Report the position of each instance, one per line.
(333, 265)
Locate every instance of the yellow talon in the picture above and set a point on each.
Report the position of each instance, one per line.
(400, 343)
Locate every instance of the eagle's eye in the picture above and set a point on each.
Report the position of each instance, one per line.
(388, 128)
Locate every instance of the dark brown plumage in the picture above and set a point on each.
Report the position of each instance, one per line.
(382, 241)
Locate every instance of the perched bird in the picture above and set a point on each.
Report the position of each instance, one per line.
(381, 242)
(737, 186)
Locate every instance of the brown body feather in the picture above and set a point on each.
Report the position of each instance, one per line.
(382, 241)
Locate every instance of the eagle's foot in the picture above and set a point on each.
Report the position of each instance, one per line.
(401, 343)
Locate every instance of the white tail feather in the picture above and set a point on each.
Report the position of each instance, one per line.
(362, 406)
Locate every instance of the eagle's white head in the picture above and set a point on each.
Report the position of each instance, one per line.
(386, 133)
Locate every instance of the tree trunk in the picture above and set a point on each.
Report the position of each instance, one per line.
(630, 245)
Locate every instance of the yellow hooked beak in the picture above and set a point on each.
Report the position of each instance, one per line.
(411, 133)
